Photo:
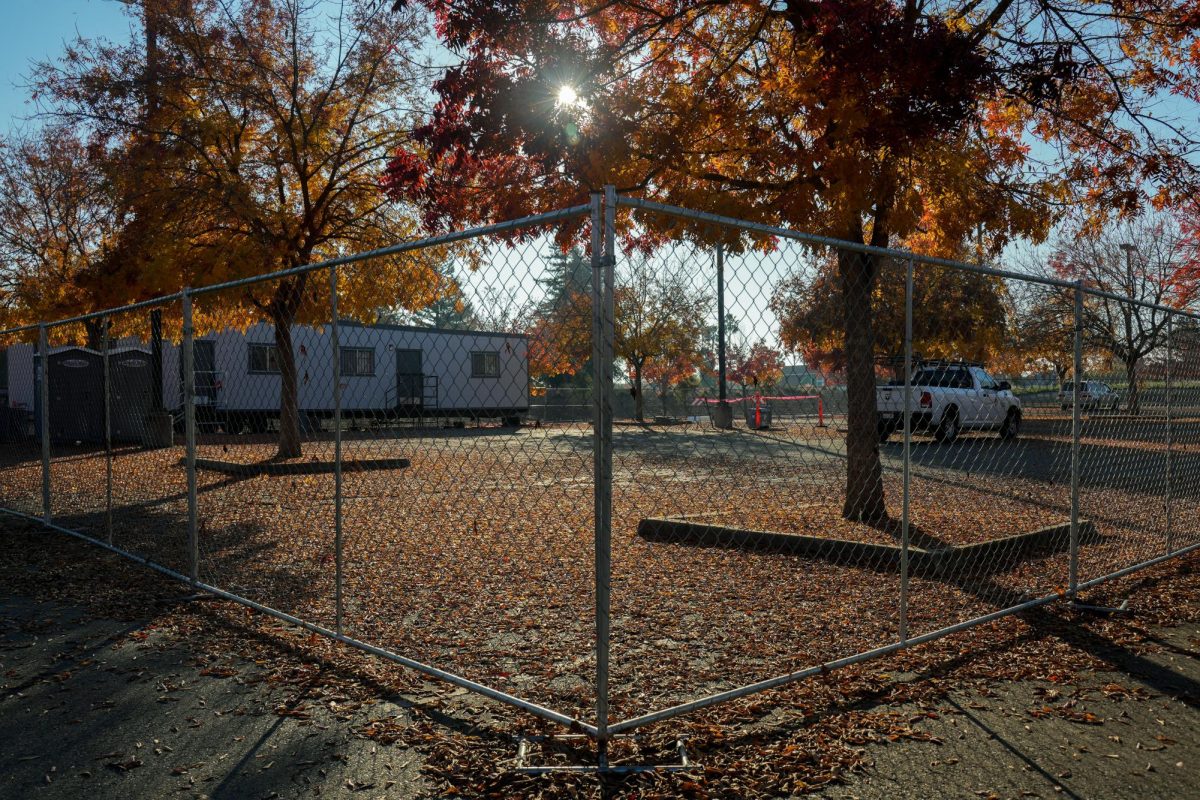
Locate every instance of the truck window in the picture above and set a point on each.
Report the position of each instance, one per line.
(985, 380)
(931, 377)
(943, 377)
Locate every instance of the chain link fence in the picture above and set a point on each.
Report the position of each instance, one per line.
(611, 486)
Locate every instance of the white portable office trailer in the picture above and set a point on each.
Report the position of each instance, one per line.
(387, 371)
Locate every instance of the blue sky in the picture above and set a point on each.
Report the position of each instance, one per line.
(35, 30)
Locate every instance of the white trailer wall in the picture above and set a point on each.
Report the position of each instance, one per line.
(445, 355)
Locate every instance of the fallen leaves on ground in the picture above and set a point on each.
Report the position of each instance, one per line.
(478, 559)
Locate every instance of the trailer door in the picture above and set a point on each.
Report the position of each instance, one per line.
(409, 379)
(204, 358)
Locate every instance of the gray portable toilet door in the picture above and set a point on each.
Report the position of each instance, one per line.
(76, 396)
(132, 387)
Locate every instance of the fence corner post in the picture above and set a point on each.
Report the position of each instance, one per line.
(44, 413)
(907, 486)
(108, 465)
(1073, 568)
(1170, 539)
(336, 346)
(189, 427)
(603, 211)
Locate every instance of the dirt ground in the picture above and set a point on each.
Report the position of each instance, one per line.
(113, 684)
(477, 557)
(1128, 733)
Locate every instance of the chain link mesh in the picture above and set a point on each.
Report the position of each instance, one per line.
(149, 499)
(471, 549)
(20, 439)
(816, 451)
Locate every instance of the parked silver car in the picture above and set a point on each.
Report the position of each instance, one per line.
(1093, 396)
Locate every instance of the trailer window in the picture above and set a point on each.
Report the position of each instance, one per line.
(485, 364)
(358, 362)
(263, 359)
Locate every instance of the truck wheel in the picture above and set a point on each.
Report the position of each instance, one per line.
(1012, 425)
(947, 429)
(885, 431)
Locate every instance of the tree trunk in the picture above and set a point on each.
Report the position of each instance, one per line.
(639, 405)
(864, 476)
(1131, 377)
(284, 307)
(94, 331)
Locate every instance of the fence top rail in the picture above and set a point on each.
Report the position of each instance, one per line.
(531, 221)
(887, 252)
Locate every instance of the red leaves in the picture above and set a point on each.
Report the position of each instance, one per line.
(405, 174)
(1065, 711)
(296, 712)
(218, 672)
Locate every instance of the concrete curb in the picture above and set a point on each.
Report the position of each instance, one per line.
(981, 557)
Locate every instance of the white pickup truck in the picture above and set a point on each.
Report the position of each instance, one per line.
(948, 398)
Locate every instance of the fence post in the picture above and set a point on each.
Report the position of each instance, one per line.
(721, 323)
(904, 523)
(189, 427)
(1170, 435)
(603, 260)
(1073, 572)
(337, 446)
(44, 410)
(108, 466)
(722, 414)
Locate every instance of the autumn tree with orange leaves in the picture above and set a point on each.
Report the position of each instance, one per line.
(58, 220)
(957, 315)
(258, 130)
(882, 122)
(673, 372)
(560, 326)
(658, 319)
(759, 365)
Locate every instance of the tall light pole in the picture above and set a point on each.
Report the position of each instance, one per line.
(722, 416)
(1129, 251)
(1127, 314)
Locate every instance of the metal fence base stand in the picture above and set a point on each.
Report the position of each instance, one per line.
(1121, 609)
(191, 597)
(524, 762)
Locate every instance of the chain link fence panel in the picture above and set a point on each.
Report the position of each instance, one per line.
(611, 469)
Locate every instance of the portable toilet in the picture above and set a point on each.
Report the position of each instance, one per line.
(76, 383)
(132, 381)
(77, 394)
